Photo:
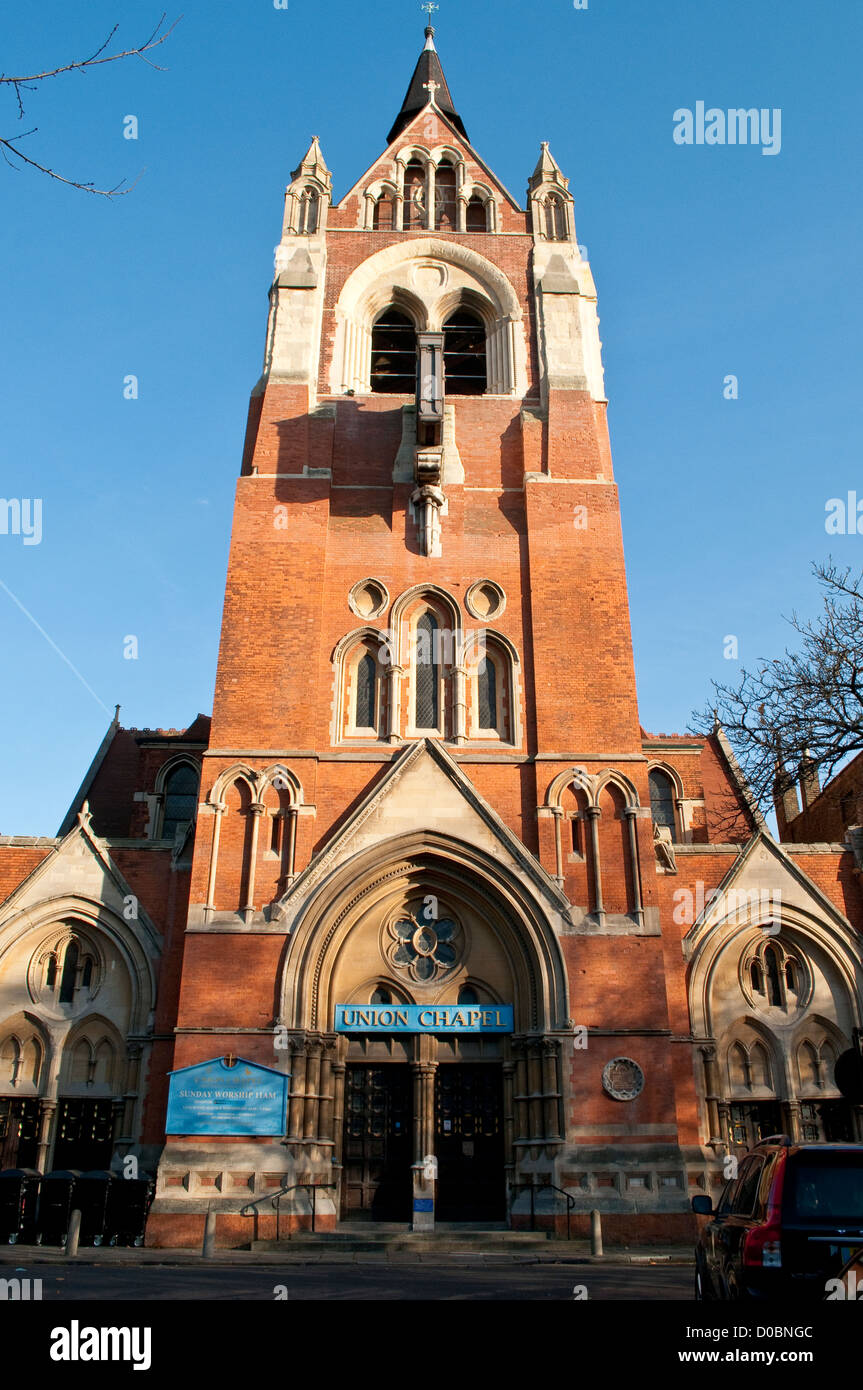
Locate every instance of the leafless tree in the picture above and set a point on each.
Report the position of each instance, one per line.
(805, 707)
(29, 83)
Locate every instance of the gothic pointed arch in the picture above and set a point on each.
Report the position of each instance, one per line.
(359, 899)
(428, 271)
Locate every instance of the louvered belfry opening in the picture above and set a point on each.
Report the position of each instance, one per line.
(384, 214)
(477, 217)
(394, 354)
(465, 354)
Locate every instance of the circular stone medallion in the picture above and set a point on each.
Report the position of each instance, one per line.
(622, 1078)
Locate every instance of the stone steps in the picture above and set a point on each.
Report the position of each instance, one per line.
(390, 1237)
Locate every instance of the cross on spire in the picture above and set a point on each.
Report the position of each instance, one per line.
(430, 9)
(431, 87)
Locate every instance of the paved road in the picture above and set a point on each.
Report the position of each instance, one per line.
(366, 1282)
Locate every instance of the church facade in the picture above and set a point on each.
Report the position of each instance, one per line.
(424, 860)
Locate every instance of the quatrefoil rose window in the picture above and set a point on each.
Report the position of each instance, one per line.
(423, 946)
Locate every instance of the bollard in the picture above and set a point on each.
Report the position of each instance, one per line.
(209, 1236)
(595, 1233)
(73, 1234)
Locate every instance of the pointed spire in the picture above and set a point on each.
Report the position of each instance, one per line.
(427, 86)
(547, 170)
(314, 165)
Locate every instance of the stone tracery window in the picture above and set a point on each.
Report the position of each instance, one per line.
(555, 218)
(492, 688)
(180, 798)
(427, 673)
(773, 975)
(66, 972)
(363, 689)
(662, 802)
(308, 212)
(21, 1059)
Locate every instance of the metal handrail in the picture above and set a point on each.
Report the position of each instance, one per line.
(275, 1200)
(533, 1188)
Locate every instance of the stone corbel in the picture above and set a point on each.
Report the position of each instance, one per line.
(428, 501)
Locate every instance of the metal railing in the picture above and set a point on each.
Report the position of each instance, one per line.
(533, 1188)
(275, 1200)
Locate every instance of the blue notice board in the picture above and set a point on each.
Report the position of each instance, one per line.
(215, 1098)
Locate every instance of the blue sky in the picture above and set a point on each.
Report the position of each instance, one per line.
(709, 261)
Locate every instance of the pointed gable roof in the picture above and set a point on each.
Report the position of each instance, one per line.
(417, 97)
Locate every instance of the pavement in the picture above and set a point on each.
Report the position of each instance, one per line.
(560, 1252)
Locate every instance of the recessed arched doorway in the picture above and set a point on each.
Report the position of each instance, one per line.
(425, 997)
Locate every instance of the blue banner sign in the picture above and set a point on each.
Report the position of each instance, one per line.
(217, 1098)
(422, 1018)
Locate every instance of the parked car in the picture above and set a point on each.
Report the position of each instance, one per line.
(789, 1221)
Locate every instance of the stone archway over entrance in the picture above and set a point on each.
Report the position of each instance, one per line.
(424, 996)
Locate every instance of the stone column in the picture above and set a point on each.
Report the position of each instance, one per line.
(459, 704)
(508, 1114)
(593, 814)
(256, 810)
(47, 1113)
(293, 817)
(325, 1110)
(424, 1169)
(535, 1105)
(339, 1070)
(724, 1110)
(394, 675)
(557, 813)
(711, 1094)
(399, 208)
(218, 812)
(551, 1089)
(312, 1098)
(790, 1111)
(637, 906)
(298, 1089)
(520, 1097)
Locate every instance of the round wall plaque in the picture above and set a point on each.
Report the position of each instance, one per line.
(622, 1078)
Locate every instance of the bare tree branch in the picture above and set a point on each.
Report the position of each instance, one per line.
(806, 707)
(26, 83)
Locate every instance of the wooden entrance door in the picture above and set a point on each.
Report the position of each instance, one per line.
(19, 1133)
(84, 1134)
(377, 1182)
(469, 1142)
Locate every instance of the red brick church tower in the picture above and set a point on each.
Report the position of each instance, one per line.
(438, 864)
